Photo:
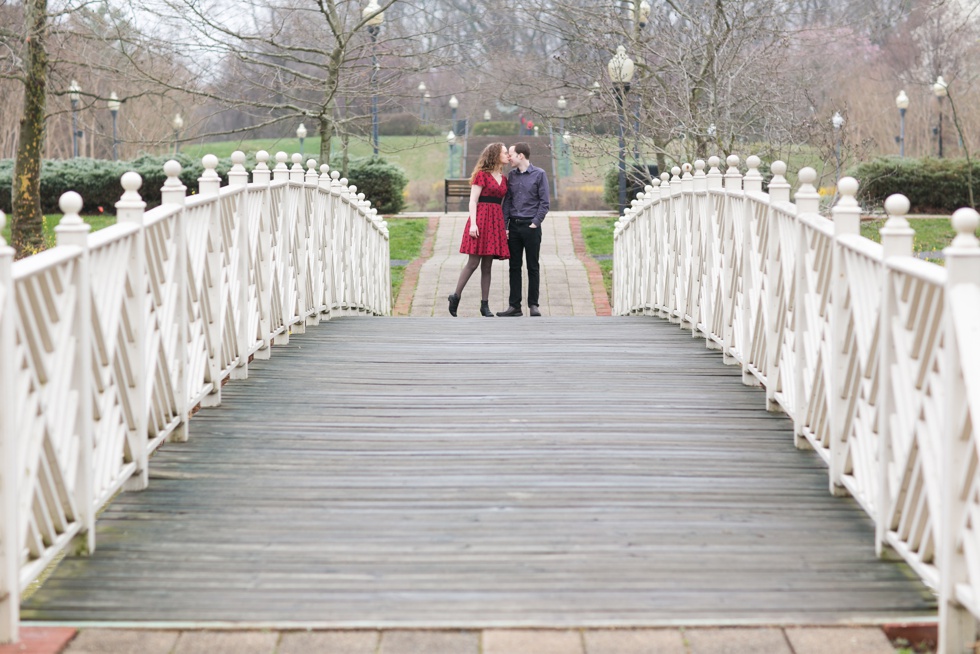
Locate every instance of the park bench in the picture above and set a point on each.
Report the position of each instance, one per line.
(456, 188)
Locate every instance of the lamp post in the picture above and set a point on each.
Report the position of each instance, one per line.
(178, 125)
(454, 105)
(566, 144)
(425, 102)
(838, 122)
(301, 135)
(74, 95)
(114, 105)
(421, 90)
(451, 140)
(939, 88)
(902, 102)
(374, 18)
(486, 116)
(621, 73)
(562, 105)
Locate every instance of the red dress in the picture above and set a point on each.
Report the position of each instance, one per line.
(492, 240)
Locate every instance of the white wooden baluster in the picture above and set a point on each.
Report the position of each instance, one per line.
(957, 626)
(807, 202)
(175, 193)
(130, 209)
(301, 239)
(327, 244)
(9, 456)
(896, 241)
(337, 250)
(283, 247)
(751, 274)
(208, 186)
(73, 231)
(731, 260)
(847, 220)
(779, 190)
(261, 175)
(700, 227)
(314, 254)
(238, 176)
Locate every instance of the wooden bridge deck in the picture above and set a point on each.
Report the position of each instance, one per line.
(440, 472)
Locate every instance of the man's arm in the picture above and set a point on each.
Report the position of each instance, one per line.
(507, 206)
(544, 204)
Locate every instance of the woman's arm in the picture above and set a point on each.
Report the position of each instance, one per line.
(475, 192)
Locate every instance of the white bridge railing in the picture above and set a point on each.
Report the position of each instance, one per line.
(873, 353)
(110, 339)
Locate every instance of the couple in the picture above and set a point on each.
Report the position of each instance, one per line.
(504, 222)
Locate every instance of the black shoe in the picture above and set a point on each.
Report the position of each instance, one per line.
(511, 311)
(485, 309)
(453, 304)
(533, 308)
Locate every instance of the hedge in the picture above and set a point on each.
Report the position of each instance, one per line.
(98, 180)
(931, 185)
(496, 128)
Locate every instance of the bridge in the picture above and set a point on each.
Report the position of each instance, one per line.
(327, 465)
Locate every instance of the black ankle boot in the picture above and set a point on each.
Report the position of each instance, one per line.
(453, 304)
(485, 309)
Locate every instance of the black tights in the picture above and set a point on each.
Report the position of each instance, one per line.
(485, 265)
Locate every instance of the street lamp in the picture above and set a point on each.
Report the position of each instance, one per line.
(621, 73)
(902, 102)
(425, 102)
(374, 17)
(644, 13)
(301, 135)
(939, 88)
(566, 143)
(454, 105)
(562, 104)
(178, 125)
(486, 116)
(451, 139)
(114, 105)
(594, 90)
(421, 90)
(75, 95)
(838, 122)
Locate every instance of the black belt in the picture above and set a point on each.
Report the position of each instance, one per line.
(491, 199)
(515, 219)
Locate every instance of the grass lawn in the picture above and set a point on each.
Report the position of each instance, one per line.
(598, 236)
(51, 221)
(931, 234)
(405, 240)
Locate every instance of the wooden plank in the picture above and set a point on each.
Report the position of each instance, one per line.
(440, 472)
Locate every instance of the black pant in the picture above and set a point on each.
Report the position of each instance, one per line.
(523, 238)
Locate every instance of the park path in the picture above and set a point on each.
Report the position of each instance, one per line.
(565, 282)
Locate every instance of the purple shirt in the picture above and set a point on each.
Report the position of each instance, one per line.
(527, 195)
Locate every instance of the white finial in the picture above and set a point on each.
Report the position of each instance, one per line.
(131, 183)
(713, 162)
(807, 176)
(732, 162)
(343, 181)
(965, 222)
(281, 158)
(71, 204)
(675, 171)
(237, 176)
(352, 189)
(261, 157)
(665, 177)
(360, 196)
(297, 159)
(237, 158)
(325, 170)
(753, 162)
(699, 167)
(655, 183)
(311, 164)
(897, 236)
(172, 169)
(334, 174)
(778, 168)
(807, 198)
(648, 189)
(848, 188)
(687, 168)
(210, 162)
(897, 207)
(173, 191)
(640, 195)
(778, 186)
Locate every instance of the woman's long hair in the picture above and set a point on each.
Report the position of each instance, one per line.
(489, 160)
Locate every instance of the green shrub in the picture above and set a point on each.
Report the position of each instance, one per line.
(931, 185)
(428, 130)
(636, 181)
(496, 128)
(398, 125)
(380, 181)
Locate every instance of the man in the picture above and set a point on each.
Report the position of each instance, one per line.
(525, 206)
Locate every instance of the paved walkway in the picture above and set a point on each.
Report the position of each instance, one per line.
(796, 640)
(565, 289)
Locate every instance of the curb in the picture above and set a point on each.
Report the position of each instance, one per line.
(599, 297)
(40, 640)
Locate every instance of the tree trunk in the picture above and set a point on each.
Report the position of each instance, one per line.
(27, 227)
(326, 135)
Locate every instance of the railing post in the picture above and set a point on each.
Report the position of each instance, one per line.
(733, 182)
(807, 201)
(751, 183)
(209, 186)
(778, 193)
(72, 230)
(301, 236)
(238, 177)
(327, 245)
(957, 626)
(847, 220)
(262, 176)
(896, 241)
(130, 209)
(175, 193)
(9, 456)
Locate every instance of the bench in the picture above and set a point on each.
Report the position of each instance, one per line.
(456, 188)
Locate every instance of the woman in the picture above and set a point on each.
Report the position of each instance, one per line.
(484, 237)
